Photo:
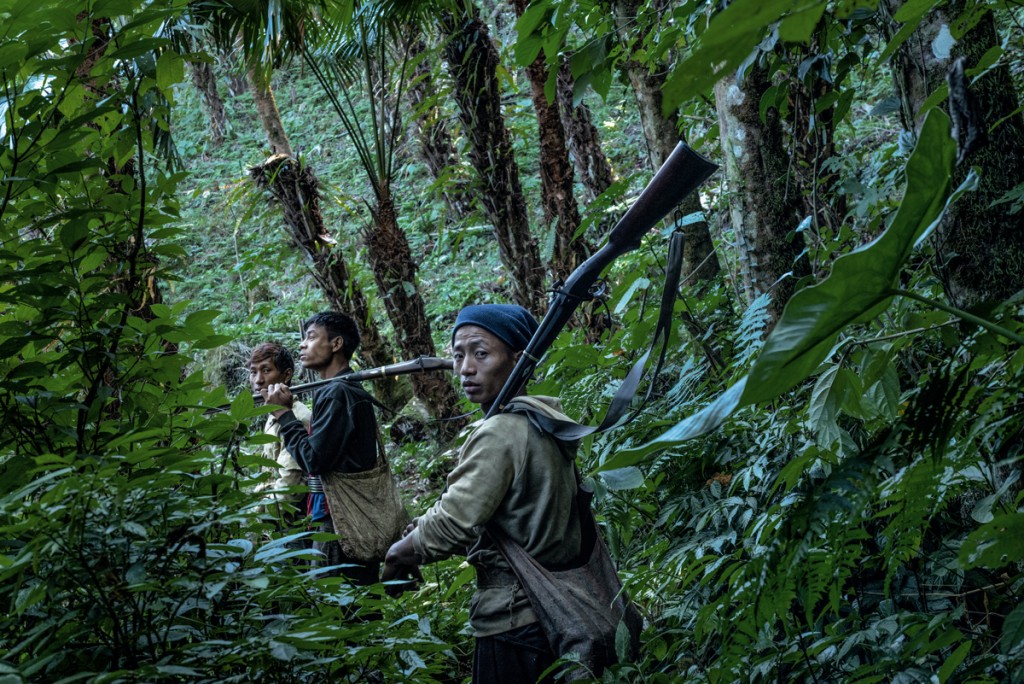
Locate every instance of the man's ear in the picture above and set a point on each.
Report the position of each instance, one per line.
(516, 356)
(337, 343)
(287, 375)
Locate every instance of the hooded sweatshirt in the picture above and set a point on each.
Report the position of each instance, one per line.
(524, 482)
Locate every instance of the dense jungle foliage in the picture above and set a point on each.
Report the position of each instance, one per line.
(824, 485)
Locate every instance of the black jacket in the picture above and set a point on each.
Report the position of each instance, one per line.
(343, 432)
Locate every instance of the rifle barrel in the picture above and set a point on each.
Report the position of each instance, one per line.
(421, 364)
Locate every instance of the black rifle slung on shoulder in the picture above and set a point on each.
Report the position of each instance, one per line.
(682, 173)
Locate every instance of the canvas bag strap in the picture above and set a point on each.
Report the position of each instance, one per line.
(586, 517)
(381, 454)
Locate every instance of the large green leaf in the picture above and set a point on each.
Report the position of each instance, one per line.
(702, 422)
(858, 289)
(995, 544)
(1013, 631)
(730, 37)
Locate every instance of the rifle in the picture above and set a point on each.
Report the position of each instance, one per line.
(421, 364)
(682, 173)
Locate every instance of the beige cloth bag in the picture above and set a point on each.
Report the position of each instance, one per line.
(366, 509)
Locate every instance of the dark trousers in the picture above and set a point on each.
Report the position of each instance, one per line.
(518, 656)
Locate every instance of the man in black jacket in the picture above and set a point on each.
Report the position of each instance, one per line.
(342, 436)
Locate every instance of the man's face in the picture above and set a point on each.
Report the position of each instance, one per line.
(264, 373)
(316, 351)
(482, 362)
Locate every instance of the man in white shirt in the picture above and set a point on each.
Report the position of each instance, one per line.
(270, 364)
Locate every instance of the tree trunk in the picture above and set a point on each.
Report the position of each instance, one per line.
(556, 173)
(297, 190)
(979, 245)
(700, 262)
(765, 208)
(582, 137)
(205, 82)
(395, 272)
(266, 109)
(436, 146)
(473, 62)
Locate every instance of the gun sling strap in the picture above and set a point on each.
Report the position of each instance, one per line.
(569, 431)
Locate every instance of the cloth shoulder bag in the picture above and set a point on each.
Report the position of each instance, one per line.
(582, 608)
(366, 509)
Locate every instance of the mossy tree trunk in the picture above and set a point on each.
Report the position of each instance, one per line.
(765, 206)
(237, 80)
(394, 269)
(557, 178)
(437, 148)
(297, 190)
(473, 62)
(582, 137)
(205, 82)
(269, 116)
(633, 19)
(979, 244)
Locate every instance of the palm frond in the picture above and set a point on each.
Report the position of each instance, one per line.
(364, 60)
(269, 32)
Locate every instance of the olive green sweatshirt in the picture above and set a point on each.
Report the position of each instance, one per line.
(524, 482)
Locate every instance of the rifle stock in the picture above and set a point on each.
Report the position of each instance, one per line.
(682, 173)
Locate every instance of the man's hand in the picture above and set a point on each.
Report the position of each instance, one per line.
(402, 563)
(280, 395)
(405, 578)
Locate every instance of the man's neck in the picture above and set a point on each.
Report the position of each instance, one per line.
(337, 365)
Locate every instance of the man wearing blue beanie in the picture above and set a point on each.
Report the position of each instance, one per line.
(512, 476)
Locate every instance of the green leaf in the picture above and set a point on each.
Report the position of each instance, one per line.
(859, 286)
(913, 10)
(898, 40)
(729, 39)
(995, 544)
(982, 511)
(201, 318)
(843, 104)
(798, 26)
(954, 660)
(627, 297)
(530, 31)
(702, 422)
(139, 48)
(845, 8)
(170, 69)
(623, 479)
(623, 642)
(1013, 631)
(826, 399)
(466, 575)
(858, 289)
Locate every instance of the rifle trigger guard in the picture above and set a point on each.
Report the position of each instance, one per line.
(599, 290)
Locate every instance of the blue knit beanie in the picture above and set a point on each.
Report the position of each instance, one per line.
(510, 323)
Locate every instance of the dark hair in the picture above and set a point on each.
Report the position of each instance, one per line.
(337, 324)
(281, 357)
